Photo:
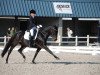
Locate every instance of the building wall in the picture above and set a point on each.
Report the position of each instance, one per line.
(84, 28)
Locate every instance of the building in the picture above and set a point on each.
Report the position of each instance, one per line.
(82, 16)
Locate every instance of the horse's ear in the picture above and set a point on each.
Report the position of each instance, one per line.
(56, 27)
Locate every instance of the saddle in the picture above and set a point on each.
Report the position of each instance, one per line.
(30, 38)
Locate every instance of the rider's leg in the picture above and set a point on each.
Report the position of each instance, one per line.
(31, 38)
(33, 34)
(31, 41)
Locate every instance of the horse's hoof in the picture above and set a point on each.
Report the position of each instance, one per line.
(33, 62)
(57, 58)
(6, 63)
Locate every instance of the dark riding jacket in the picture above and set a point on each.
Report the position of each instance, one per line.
(32, 23)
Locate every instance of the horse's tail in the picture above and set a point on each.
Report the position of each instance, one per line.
(8, 45)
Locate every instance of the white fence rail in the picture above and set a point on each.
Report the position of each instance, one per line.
(86, 41)
(75, 40)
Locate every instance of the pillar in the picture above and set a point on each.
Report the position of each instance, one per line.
(60, 31)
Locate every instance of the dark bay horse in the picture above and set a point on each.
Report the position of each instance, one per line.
(40, 42)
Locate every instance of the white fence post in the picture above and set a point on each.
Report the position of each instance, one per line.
(76, 41)
(5, 40)
(59, 40)
(87, 40)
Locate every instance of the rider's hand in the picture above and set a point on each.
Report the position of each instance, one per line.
(40, 25)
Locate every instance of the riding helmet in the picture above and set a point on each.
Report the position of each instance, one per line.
(32, 11)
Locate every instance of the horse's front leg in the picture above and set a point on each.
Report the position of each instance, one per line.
(48, 50)
(9, 52)
(37, 51)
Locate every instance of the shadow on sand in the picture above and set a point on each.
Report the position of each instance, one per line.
(67, 63)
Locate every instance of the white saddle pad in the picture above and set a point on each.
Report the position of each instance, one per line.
(26, 35)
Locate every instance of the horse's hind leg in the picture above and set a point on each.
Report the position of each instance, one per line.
(38, 49)
(9, 52)
(48, 50)
(20, 51)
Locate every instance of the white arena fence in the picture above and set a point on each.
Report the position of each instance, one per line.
(62, 44)
(76, 41)
(63, 41)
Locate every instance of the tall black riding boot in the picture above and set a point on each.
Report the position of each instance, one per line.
(35, 31)
(31, 42)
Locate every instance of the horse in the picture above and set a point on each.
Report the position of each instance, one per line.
(40, 42)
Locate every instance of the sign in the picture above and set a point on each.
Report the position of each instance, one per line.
(63, 8)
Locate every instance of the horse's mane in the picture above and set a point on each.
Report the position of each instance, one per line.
(46, 28)
(43, 30)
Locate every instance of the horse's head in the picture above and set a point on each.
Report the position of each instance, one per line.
(54, 32)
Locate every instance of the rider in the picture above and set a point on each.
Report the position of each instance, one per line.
(32, 27)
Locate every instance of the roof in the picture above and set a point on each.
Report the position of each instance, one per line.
(80, 8)
(72, 0)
